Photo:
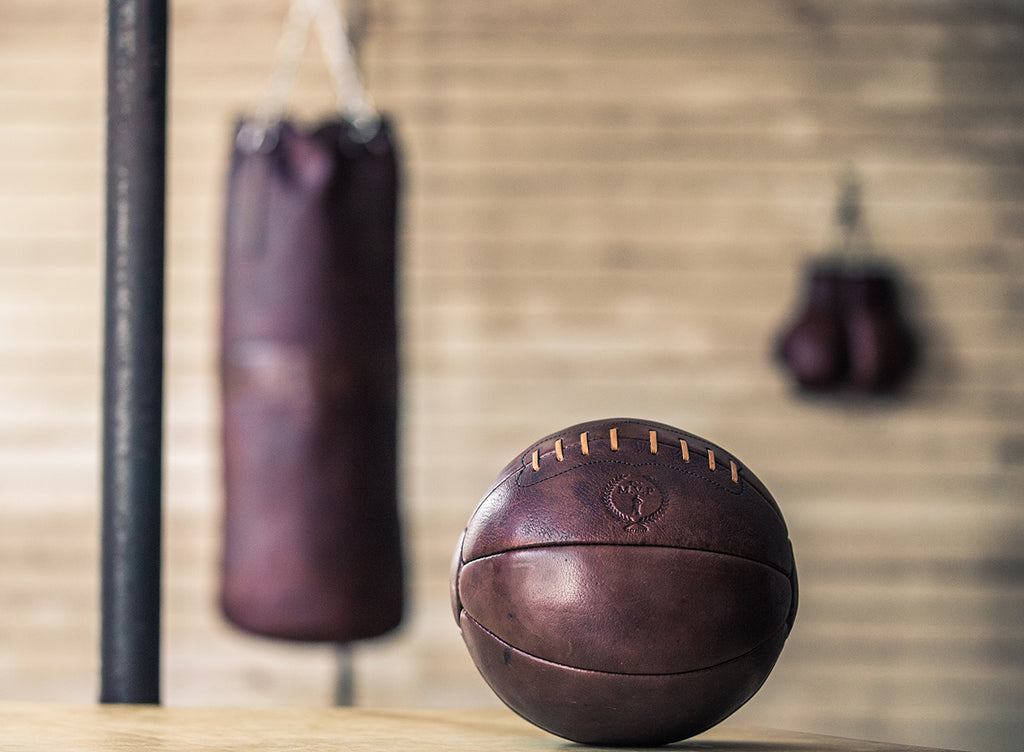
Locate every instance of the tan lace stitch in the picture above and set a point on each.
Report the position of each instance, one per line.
(613, 436)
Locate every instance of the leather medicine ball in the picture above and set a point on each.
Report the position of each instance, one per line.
(625, 583)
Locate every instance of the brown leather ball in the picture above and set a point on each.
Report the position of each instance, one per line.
(623, 582)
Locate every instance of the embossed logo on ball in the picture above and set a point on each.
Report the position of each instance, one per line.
(636, 500)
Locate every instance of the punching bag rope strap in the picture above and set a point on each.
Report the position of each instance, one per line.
(353, 102)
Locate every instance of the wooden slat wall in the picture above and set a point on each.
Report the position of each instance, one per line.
(607, 208)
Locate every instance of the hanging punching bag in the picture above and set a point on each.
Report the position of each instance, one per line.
(309, 368)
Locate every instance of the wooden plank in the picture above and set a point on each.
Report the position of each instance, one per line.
(124, 728)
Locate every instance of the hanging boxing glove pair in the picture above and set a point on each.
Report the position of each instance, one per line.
(850, 333)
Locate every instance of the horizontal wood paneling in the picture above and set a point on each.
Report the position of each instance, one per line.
(606, 212)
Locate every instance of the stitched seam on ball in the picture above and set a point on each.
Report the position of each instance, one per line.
(671, 431)
(550, 545)
(734, 489)
(783, 630)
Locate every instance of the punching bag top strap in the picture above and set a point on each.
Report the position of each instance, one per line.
(258, 133)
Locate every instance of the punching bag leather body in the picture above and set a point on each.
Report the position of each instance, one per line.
(309, 367)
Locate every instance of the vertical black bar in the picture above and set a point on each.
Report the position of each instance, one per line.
(133, 350)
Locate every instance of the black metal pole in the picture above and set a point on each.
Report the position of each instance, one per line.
(133, 350)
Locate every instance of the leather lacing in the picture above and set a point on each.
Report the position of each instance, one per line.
(613, 440)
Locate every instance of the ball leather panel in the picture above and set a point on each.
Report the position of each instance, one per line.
(626, 609)
(455, 573)
(628, 430)
(595, 707)
(565, 501)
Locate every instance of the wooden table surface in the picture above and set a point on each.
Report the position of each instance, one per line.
(29, 727)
